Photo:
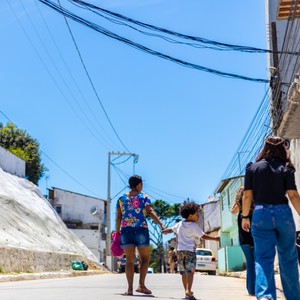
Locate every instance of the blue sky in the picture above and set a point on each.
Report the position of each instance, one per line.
(185, 124)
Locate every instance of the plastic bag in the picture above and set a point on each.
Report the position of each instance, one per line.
(79, 265)
(115, 247)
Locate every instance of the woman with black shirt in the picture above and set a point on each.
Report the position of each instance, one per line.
(246, 242)
(266, 182)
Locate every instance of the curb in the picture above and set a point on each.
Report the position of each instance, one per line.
(49, 275)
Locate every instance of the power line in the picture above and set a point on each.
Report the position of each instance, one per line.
(53, 78)
(68, 174)
(91, 82)
(56, 164)
(143, 48)
(252, 141)
(96, 119)
(217, 45)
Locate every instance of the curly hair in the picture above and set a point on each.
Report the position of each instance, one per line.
(188, 208)
(239, 199)
(274, 147)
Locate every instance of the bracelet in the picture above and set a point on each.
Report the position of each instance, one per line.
(245, 217)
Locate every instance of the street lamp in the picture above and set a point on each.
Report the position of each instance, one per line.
(109, 260)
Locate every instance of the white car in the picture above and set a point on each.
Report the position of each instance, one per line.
(150, 271)
(206, 261)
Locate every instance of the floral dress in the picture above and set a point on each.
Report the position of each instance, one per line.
(134, 210)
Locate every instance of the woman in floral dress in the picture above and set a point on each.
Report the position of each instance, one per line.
(131, 223)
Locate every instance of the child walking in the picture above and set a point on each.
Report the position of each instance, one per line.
(187, 230)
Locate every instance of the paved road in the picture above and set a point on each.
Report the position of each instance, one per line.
(112, 286)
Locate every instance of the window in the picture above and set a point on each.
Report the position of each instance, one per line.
(204, 252)
(58, 209)
(228, 198)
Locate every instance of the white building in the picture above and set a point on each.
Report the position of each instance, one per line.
(283, 35)
(83, 215)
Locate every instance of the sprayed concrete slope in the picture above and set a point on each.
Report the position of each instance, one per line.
(33, 238)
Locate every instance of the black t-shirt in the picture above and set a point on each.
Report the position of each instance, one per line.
(245, 237)
(269, 180)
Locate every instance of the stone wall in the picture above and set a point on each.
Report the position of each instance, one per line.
(23, 260)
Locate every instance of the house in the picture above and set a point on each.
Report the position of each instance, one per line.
(230, 255)
(211, 224)
(84, 215)
(283, 20)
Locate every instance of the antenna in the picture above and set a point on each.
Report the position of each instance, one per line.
(94, 211)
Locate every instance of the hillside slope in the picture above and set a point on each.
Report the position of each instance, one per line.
(33, 237)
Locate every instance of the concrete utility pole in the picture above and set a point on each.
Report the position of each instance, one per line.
(109, 261)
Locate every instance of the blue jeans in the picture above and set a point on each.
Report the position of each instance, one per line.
(273, 226)
(250, 267)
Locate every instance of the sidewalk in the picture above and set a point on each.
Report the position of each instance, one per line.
(242, 274)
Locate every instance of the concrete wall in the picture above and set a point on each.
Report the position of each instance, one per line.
(295, 157)
(77, 207)
(91, 239)
(24, 260)
(212, 245)
(211, 211)
(230, 259)
(230, 255)
(227, 198)
(11, 163)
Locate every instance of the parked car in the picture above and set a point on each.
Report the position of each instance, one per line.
(206, 261)
(122, 263)
(150, 271)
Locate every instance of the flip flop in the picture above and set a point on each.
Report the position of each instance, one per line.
(190, 297)
(128, 294)
(143, 291)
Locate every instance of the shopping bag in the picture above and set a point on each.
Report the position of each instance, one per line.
(115, 247)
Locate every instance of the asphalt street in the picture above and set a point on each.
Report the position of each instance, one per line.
(113, 286)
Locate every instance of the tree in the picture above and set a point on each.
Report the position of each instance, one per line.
(21, 144)
(168, 215)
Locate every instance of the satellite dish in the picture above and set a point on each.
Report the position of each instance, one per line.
(94, 211)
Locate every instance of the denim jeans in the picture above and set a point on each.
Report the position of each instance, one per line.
(250, 268)
(273, 226)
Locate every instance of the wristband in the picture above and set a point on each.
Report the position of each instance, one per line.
(245, 217)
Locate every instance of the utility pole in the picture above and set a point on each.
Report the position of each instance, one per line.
(109, 260)
(108, 219)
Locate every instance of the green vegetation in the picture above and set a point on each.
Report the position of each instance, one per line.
(21, 144)
(169, 215)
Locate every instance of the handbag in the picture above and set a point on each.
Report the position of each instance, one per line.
(115, 247)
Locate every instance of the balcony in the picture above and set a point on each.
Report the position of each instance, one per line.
(288, 10)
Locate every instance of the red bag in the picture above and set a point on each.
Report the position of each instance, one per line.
(115, 247)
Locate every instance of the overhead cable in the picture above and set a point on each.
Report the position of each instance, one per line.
(62, 169)
(252, 141)
(96, 119)
(216, 45)
(54, 78)
(91, 82)
(138, 46)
